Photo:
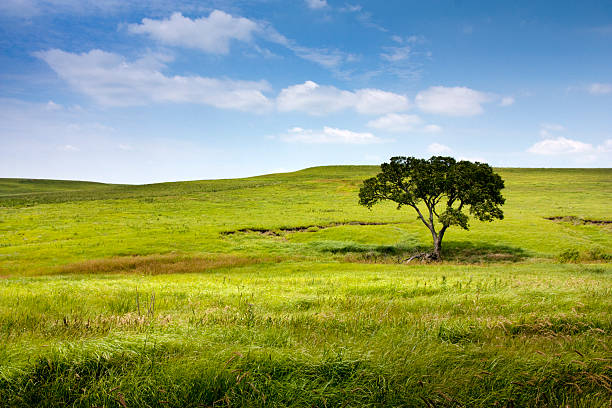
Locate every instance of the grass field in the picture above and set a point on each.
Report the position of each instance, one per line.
(280, 290)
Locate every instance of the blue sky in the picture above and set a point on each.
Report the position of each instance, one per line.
(139, 92)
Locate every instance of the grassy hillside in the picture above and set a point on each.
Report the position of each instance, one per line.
(280, 290)
(53, 227)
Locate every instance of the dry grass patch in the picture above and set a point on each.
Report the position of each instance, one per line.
(161, 264)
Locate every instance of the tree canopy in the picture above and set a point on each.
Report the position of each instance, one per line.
(449, 190)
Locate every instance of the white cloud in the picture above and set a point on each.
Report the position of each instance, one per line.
(316, 99)
(560, 145)
(327, 58)
(112, 81)
(395, 54)
(395, 122)
(214, 34)
(452, 101)
(570, 149)
(507, 101)
(316, 4)
(210, 34)
(437, 149)
(411, 39)
(403, 52)
(322, 56)
(599, 89)
(329, 135)
(351, 8)
(376, 101)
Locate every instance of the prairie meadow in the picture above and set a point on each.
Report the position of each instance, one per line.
(280, 290)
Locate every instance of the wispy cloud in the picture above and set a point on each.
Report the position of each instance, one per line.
(329, 135)
(402, 51)
(364, 17)
(599, 88)
(316, 4)
(351, 8)
(547, 129)
(403, 58)
(215, 33)
(395, 122)
(603, 30)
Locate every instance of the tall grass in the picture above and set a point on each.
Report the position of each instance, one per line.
(137, 296)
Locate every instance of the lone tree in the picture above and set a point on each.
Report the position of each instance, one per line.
(446, 187)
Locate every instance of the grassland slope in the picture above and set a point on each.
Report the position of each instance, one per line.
(279, 290)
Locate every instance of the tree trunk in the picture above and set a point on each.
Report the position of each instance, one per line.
(437, 248)
(437, 245)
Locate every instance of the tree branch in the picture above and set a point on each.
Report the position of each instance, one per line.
(430, 227)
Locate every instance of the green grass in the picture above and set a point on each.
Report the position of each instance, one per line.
(278, 291)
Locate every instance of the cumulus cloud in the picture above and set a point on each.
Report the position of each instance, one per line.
(316, 4)
(452, 101)
(316, 99)
(113, 81)
(575, 150)
(210, 34)
(437, 149)
(329, 135)
(561, 145)
(506, 101)
(599, 89)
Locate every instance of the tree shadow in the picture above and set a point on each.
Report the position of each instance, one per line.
(452, 251)
(477, 252)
